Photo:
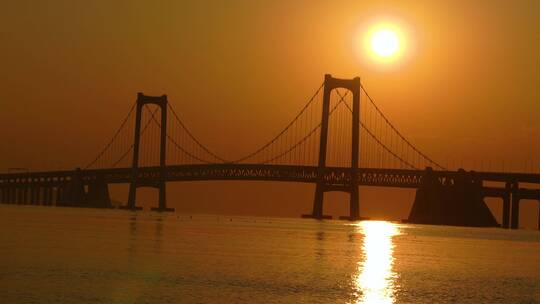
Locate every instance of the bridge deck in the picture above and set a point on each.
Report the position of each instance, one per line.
(402, 178)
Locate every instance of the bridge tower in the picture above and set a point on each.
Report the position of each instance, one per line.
(160, 101)
(353, 85)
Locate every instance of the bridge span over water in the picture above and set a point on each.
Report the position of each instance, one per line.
(336, 142)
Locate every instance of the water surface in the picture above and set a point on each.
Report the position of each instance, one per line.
(68, 255)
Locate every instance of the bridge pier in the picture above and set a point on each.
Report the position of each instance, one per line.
(7, 198)
(354, 210)
(43, 195)
(354, 205)
(131, 205)
(2, 190)
(73, 192)
(11, 195)
(506, 212)
(14, 195)
(317, 212)
(59, 194)
(98, 194)
(8, 194)
(13, 199)
(50, 196)
(162, 204)
(25, 195)
(20, 195)
(47, 199)
(33, 195)
(62, 194)
(515, 206)
(17, 195)
(458, 204)
(506, 206)
(5, 194)
(39, 195)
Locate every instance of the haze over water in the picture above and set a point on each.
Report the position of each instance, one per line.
(64, 255)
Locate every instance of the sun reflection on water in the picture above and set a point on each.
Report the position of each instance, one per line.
(375, 279)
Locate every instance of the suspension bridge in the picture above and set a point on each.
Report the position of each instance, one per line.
(338, 141)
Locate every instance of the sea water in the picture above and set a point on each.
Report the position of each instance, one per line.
(69, 255)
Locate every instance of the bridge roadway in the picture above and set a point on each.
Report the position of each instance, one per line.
(337, 176)
(38, 187)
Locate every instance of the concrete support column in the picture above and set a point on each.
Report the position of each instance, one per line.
(9, 195)
(39, 195)
(506, 211)
(34, 195)
(515, 206)
(318, 202)
(47, 196)
(53, 196)
(98, 194)
(20, 195)
(538, 194)
(50, 194)
(539, 214)
(43, 196)
(59, 194)
(354, 204)
(7, 199)
(162, 199)
(13, 194)
(25, 199)
(506, 206)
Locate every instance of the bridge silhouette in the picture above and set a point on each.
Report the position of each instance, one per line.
(339, 140)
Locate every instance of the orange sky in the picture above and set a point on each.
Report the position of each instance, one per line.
(240, 70)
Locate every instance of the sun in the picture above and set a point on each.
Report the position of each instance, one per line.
(385, 43)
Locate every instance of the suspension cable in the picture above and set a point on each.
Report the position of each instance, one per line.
(180, 147)
(113, 138)
(399, 133)
(193, 137)
(377, 140)
(132, 145)
(283, 131)
(291, 148)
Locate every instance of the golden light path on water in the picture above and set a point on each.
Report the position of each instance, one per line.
(375, 278)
